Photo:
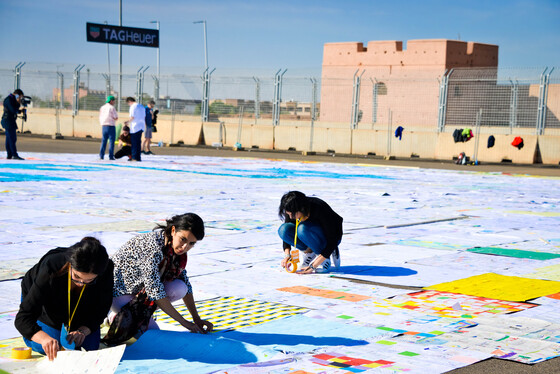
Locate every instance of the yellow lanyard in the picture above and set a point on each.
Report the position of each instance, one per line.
(295, 236)
(70, 317)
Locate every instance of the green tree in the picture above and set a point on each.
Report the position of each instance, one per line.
(91, 102)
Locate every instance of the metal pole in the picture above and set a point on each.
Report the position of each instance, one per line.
(257, 98)
(205, 106)
(172, 121)
(107, 84)
(443, 88)
(277, 97)
(57, 134)
(205, 47)
(108, 66)
(374, 104)
(389, 129)
(119, 96)
(313, 111)
(239, 128)
(543, 99)
(477, 136)
(205, 44)
(17, 76)
(159, 42)
(156, 87)
(76, 101)
(61, 76)
(513, 105)
(356, 99)
(140, 83)
(206, 79)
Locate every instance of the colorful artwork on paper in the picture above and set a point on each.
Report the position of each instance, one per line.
(551, 272)
(325, 293)
(512, 252)
(501, 287)
(353, 364)
(452, 305)
(229, 313)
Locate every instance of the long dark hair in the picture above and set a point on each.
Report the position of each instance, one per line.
(184, 222)
(89, 256)
(293, 201)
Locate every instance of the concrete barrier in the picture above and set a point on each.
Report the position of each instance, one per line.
(502, 151)
(341, 139)
(549, 147)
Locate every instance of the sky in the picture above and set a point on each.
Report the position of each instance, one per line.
(262, 34)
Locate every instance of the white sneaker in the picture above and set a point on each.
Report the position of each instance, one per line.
(307, 258)
(336, 258)
(325, 267)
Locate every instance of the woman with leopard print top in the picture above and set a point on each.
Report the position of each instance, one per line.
(150, 272)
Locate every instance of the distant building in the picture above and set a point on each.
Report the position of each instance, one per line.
(385, 62)
(83, 91)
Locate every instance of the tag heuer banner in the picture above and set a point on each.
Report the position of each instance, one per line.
(102, 33)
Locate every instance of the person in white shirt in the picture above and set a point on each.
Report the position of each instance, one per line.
(107, 117)
(137, 124)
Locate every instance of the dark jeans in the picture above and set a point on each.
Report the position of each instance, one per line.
(136, 142)
(11, 138)
(309, 235)
(91, 342)
(108, 133)
(124, 151)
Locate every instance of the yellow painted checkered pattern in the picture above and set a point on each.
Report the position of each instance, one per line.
(230, 313)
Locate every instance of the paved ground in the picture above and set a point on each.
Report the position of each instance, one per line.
(29, 143)
(32, 143)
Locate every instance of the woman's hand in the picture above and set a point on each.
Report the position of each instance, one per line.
(78, 336)
(307, 270)
(49, 344)
(205, 326)
(285, 261)
(51, 347)
(192, 327)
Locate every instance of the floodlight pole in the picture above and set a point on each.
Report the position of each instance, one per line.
(119, 96)
(205, 44)
(159, 41)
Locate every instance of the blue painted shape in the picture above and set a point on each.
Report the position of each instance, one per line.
(270, 173)
(47, 166)
(209, 349)
(64, 339)
(379, 271)
(303, 334)
(20, 177)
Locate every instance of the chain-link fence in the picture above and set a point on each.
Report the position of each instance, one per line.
(514, 98)
(508, 98)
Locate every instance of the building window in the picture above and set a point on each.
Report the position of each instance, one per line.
(457, 90)
(381, 88)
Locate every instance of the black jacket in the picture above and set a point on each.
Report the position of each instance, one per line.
(11, 110)
(320, 212)
(45, 296)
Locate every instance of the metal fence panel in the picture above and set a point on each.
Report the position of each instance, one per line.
(510, 98)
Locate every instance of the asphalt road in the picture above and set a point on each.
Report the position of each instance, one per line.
(33, 143)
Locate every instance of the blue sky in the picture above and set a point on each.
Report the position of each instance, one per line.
(265, 34)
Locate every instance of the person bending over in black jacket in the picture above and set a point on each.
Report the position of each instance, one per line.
(69, 289)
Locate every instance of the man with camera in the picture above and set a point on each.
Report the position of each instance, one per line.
(12, 105)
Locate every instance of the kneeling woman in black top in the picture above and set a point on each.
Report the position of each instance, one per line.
(318, 228)
(69, 288)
